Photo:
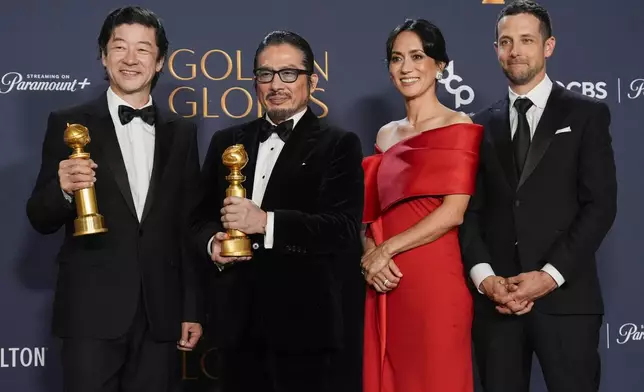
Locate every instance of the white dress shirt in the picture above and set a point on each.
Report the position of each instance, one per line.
(267, 155)
(539, 97)
(136, 140)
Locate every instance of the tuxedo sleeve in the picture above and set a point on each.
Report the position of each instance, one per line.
(205, 218)
(337, 222)
(597, 195)
(193, 305)
(473, 248)
(47, 208)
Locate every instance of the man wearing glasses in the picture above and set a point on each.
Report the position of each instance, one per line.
(285, 317)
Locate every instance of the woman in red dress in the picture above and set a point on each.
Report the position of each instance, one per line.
(418, 184)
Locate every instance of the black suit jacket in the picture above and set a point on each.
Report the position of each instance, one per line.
(101, 276)
(558, 212)
(290, 295)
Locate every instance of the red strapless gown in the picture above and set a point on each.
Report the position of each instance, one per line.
(417, 336)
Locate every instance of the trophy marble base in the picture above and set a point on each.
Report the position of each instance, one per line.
(236, 247)
(89, 224)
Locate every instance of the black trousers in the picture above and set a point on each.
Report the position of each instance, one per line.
(131, 363)
(258, 369)
(566, 346)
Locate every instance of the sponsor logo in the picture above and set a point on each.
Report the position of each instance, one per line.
(14, 357)
(625, 334)
(636, 89)
(16, 81)
(592, 89)
(463, 94)
(629, 332)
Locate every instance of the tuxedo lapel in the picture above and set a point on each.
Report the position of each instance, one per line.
(103, 135)
(249, 137)
(502, 139)
(300, 143)
(553, 116)
(163, 136)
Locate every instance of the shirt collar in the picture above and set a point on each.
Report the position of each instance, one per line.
(538, 95)
(114, 101)
(296, 117)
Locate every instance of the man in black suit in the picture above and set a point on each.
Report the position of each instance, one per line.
(545, 200)
(286, 317)
(127, 298)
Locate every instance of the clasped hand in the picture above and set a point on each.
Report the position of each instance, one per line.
(379, 269)
(516, 294)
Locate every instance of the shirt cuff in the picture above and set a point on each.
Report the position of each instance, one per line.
(209, 250)
(268, 237)
(556, 275)
(67, 197)
(479, 272)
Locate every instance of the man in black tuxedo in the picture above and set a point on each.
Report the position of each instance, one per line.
(125, 299)
(290, 316)
(545, 200)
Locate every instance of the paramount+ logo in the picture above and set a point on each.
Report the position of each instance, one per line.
(624, 334)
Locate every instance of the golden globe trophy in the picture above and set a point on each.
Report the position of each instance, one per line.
(88, 220)
(235, 158)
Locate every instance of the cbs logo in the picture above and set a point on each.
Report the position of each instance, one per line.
(593, 90)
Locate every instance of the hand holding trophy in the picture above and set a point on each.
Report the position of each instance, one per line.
(88, 220)
(235, 158)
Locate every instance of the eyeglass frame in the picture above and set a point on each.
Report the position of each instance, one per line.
(279, 72)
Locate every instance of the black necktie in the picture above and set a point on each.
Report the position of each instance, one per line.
(521, 141)
(126, 114)
(283, 130)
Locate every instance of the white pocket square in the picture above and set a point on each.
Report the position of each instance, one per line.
(563, 130)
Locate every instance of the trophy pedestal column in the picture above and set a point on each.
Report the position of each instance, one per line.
(90, 224)
(236, 247)
(235, 158)
(88, 220)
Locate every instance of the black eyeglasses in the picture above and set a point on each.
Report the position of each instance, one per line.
(287, 75)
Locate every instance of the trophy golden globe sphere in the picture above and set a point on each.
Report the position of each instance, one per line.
(88, 220)
(77, 137)
(235, 158)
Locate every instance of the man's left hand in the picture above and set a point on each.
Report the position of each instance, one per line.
(243, 215)
(530, 286)
(190, 334)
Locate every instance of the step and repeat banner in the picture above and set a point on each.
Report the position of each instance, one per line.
(49, 60)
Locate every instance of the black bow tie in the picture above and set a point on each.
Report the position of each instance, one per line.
(126, 114)
(283, 130)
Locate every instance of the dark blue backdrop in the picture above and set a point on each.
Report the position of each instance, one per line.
(49, 60)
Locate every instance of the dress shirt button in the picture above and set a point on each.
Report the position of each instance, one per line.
(255, 246)
(517, 203)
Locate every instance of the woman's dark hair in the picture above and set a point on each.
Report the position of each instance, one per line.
(429, 34)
